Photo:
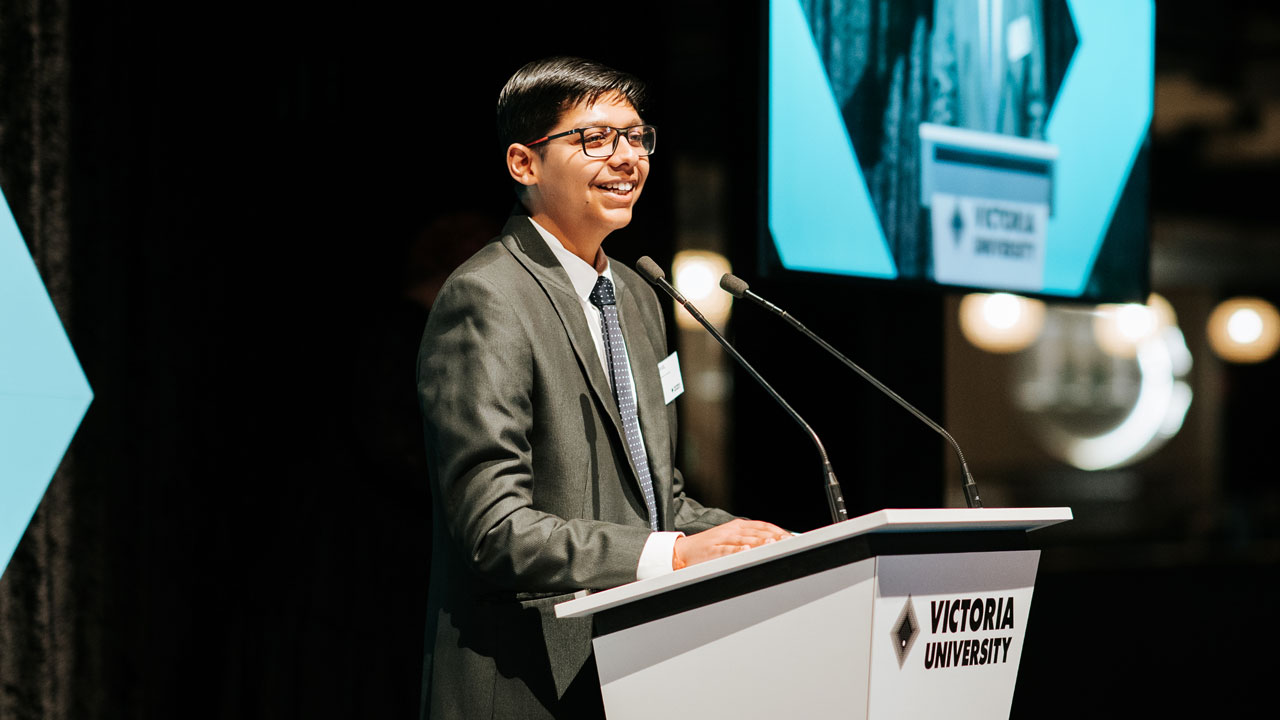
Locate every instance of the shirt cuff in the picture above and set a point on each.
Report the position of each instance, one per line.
(655, 559)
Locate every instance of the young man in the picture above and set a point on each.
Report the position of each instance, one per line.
(549, 444)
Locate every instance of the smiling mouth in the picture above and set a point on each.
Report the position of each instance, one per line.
(618, 188)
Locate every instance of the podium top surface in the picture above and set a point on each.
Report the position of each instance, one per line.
(882, 521)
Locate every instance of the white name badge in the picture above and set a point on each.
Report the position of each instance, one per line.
(672, 383)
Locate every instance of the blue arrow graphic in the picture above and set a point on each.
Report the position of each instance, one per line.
(43, 391)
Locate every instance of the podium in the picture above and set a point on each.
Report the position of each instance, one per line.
(895, 614)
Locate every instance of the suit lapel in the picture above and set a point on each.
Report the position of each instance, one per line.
(531, 250)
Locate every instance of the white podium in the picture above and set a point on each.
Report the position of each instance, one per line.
(895, 614)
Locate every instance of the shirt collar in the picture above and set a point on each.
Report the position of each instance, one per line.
(582, 275)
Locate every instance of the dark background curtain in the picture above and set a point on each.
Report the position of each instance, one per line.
(48, 611)
(237, 210)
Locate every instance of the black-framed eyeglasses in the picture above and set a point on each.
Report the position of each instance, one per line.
(601, 141)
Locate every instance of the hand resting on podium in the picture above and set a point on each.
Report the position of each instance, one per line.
(731, 537)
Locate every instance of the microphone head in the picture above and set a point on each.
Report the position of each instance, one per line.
(733, 285)
(649, 269)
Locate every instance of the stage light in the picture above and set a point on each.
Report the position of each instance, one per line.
(1245, 326)
(1244, 330)
(1000, 322)
(1120, 329)
(697, 276)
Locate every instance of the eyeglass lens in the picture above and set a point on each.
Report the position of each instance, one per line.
(602, 141)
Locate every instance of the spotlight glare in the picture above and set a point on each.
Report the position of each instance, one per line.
(697, 276)
(1120, 329)
(1001, 322)
(1245, 326)
(1244, 330)
(1135, 322)
(1001, 310)
(694, 280)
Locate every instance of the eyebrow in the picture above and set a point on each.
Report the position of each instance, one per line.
(585, 125)
(597, 121)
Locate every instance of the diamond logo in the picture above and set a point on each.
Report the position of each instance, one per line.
(957, 225)
(904, 632)
(43, 391)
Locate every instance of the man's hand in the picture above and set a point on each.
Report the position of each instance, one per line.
(731, 537)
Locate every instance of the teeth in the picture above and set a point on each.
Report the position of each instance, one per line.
(621, 187)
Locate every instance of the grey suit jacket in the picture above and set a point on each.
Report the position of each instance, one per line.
(534, 494)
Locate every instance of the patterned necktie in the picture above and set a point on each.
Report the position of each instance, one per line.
(620, 372)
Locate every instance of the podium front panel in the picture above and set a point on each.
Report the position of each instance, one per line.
(896, 614)
(793, 650)
(948, 633)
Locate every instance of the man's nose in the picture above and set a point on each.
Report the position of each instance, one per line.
(623, 152)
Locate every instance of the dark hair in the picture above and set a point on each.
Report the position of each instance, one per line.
(535, 97)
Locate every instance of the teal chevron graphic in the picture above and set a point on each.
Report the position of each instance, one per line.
(1098, 122)
(43, 391)
(816, 190)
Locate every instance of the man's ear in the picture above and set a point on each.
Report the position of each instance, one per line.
(522, 163)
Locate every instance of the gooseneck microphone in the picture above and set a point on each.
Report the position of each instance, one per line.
(738, 288)
(835, 498)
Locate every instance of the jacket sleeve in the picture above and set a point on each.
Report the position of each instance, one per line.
(475, 375)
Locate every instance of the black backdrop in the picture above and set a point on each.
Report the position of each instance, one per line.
(249, 184)
(223, 201)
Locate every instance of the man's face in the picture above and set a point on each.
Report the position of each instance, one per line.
(586, 197)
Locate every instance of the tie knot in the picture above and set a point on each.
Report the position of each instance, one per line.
(602, 293)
